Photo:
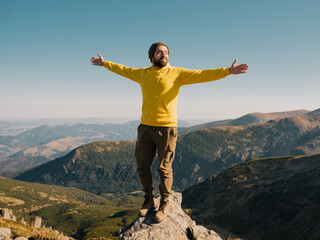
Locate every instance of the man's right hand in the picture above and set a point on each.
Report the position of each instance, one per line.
(97, 61)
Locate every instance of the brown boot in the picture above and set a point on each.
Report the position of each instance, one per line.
(149, 204)
(162, 212)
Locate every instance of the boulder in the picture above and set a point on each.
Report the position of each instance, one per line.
(5, 233)
(177, 226)
(36, 222)
(7, 214)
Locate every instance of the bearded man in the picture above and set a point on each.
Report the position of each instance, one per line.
(160, 84)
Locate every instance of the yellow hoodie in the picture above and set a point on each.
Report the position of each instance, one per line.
(160, 88)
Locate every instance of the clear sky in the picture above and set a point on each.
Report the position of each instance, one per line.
(46, 46)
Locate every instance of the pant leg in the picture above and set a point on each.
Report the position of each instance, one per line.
(145, 152)
(166, 144)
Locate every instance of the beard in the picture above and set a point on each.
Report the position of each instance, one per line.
(160, 63)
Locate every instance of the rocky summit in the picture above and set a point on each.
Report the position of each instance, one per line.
(177, 226)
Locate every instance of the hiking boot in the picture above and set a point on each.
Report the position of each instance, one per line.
(162, 212)
(148, 205)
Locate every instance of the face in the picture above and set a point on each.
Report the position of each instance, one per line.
(161, 56)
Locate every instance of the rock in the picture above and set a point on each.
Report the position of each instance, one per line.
(21, 238)
(36, 222)
(5, 233)
(23, 221)
(177, 226)
(7, 214)
(201, 233)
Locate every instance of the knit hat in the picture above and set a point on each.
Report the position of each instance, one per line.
(153, 49)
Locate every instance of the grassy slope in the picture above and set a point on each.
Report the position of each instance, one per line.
(269, 198)
(69, 210)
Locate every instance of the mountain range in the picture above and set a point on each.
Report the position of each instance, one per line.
(248, 119)
(109, 167)
(205, 152)
(246, 180)
(45, 143)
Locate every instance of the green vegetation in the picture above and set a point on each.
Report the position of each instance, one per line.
(98, 167)
(69, 210)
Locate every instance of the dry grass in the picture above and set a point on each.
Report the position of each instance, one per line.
(232, 238)
(19, 229)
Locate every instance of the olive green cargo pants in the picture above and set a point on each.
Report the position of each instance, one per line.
(149, 140)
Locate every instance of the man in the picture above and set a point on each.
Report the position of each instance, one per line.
(160, 86)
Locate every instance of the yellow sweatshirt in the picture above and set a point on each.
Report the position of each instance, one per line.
(160, 88)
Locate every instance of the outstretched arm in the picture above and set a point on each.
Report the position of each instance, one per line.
(237, 69)
(97, 61)
(132, 73)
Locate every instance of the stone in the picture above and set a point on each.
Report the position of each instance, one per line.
(21, 238)
(177, 226)
(5, 233)
(201, 233)
(7, 214)
(23, 221)
(36, 222)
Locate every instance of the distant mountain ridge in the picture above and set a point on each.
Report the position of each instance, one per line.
(248, 119)
(254, 118)
(51, 141)
(103, 167)
(261, 199)
(83, 132)
(41, 144)
(209, 151)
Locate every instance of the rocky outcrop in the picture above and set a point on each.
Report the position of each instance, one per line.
(177, 226)
(6, 213)
(10, 228)
(36, 222)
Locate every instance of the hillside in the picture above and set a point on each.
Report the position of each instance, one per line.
(69, 210)
(99, 167)
(205, 152)
(271, 198)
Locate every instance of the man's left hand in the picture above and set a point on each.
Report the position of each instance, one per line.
(238, 69)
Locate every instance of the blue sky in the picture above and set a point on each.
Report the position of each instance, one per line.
(46, 46)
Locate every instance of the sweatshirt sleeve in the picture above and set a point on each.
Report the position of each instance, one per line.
(187, 76)
(133, 74)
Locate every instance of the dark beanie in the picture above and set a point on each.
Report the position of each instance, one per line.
(153, 49)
